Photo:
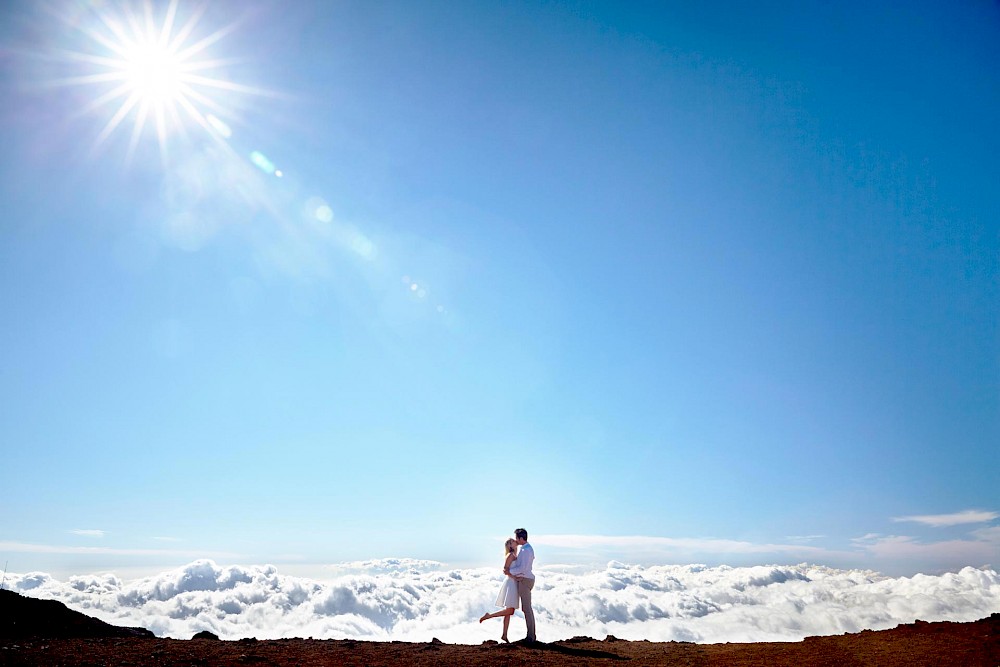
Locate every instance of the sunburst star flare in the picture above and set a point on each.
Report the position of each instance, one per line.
(155, 71)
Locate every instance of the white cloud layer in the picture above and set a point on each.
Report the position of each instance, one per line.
(954, 519)
(401, 599)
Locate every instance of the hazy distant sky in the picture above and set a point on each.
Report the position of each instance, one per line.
(663, 282)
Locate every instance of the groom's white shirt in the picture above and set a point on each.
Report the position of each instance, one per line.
(521, 567)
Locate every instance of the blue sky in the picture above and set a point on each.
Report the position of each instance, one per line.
(681, 283)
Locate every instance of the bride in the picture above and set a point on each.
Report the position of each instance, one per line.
(507, 598)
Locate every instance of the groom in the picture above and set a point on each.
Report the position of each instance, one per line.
(520, 570)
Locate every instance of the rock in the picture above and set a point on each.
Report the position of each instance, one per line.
(205, 634)
(22, 616)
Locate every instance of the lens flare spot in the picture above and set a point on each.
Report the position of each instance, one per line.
(262, 163)
(316, 208)
(363, 246)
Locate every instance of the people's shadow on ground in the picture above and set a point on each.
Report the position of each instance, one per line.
(568, 650)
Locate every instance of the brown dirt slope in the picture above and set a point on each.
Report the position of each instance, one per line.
(975, 644)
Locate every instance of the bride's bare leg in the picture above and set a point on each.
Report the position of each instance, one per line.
(503, 612)
(506, 623)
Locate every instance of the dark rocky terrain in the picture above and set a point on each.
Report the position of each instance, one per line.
(22, 616)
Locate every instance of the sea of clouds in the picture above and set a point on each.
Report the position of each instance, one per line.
(409, 600)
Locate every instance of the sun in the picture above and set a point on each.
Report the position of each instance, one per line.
(153, 72)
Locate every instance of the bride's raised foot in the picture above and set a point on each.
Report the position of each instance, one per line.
(483, 617)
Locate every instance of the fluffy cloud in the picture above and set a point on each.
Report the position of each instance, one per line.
(416, 600)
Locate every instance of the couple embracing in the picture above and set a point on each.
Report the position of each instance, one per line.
(517, 585)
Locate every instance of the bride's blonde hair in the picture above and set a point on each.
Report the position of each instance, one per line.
(509, 546)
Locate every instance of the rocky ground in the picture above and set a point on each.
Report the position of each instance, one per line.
(975, 644)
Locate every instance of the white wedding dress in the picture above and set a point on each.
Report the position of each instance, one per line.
(508, 594)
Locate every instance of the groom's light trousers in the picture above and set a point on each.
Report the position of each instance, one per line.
(524, 587)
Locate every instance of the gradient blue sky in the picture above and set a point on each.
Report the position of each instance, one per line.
(668, 282)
